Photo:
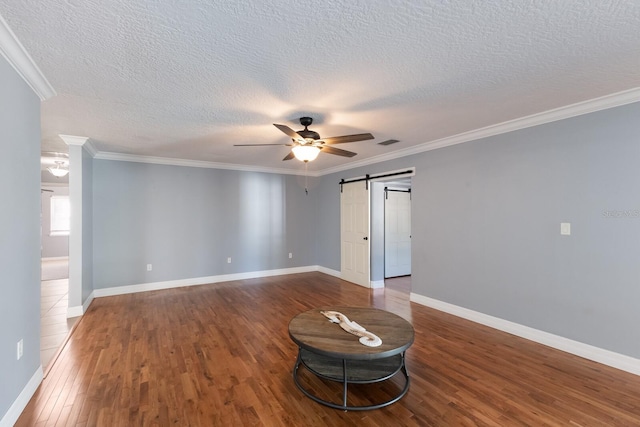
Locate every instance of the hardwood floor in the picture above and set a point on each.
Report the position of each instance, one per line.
(220, 355)
(400, 283)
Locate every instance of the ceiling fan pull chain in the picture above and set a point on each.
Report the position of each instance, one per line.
(306, 191)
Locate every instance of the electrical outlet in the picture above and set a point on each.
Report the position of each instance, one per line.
(290, 255)
(229, 260)
(149, 267)
(20, 350)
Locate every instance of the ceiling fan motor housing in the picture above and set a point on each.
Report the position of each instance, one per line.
(306, 133)
(309, 134)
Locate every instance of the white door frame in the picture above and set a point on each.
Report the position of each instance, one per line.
(402, 173)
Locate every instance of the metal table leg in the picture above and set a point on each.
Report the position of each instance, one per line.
(345, 381)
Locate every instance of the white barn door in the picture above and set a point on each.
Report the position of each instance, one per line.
(397, 234)
(354, 233)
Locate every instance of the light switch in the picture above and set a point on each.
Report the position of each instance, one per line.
(565, 228)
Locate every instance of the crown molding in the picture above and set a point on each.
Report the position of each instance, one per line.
(105, 155)
(13, 51)
(617, 99)
(90, 148)
(74, 140)
(585, 107)
(82, 141)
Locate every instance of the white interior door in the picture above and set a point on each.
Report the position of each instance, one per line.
(397, 234)
(354, 233)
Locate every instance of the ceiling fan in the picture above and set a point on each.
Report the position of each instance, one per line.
(56, 163)
(307, 144)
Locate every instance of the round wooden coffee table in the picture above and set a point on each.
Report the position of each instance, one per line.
(329, 352)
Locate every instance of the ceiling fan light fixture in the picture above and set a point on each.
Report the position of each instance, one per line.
(305, 153)
(58, 172)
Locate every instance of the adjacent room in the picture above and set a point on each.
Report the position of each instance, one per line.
(185, 182)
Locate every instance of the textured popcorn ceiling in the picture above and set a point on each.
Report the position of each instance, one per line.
(188, 79)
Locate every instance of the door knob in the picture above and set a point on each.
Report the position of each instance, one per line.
(365, 238)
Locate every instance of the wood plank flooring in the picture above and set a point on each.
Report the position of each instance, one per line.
(220, 355)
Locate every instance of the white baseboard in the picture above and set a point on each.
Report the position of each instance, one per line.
(86, 304)
(55, 258)
(155, 286)
(376, 284)
(372, 284)
(75, 311)
(20, 403)
(79, 310)
(330, 272)
(606, 357)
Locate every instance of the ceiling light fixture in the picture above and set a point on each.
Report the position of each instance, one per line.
(305, 153)
(58, 171)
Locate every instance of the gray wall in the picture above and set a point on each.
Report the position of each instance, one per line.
(328, 219)
(52, 246)
(20, 234)
(87, 225)
(187, 221)
(486, 226)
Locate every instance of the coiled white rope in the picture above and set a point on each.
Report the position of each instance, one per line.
(366, 337)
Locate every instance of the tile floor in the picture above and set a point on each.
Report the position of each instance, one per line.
(54, 325)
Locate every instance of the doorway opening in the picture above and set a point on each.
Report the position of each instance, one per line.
(386, 213)
(397, 228)
(54, 284)
(391, 233)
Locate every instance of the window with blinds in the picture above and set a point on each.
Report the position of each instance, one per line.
(60, 216)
